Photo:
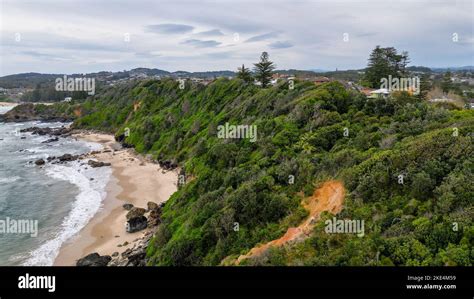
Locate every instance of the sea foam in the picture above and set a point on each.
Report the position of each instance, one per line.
(9, 180)
(85, 206)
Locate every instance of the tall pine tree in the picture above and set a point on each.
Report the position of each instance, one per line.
(264, 70)
(244, 74)
(447, 84)
(384, 62)
(425, 86)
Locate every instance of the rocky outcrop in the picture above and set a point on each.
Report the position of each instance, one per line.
(95, 164)
(94, 260)
(136, 224)
(121, 139)
(152, 206)
(135, 256)
(31, 112)
(154, 218)
(127, 206)
(61, 159)
(67, 158)
(47, 131)
(40, 162)
(51, 140)
(135, 212)
(168, 165)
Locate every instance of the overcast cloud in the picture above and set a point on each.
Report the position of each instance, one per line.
(86, 36)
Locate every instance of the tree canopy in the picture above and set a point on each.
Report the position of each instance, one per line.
(264, 70)
(384, 62)
(244, 74)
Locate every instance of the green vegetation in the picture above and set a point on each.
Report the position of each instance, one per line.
(384, 62)
(264, 70)
(29, 112)
(244, 74)
(407, 165)
(447, 84)
(5, 98)
(301, 133)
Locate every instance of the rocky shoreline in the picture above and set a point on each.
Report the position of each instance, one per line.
(32, 112)
(136, 255)
(137, 219)
(56, 133)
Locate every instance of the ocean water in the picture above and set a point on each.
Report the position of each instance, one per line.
(62, 198)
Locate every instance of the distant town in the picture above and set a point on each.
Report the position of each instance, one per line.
(35, 87)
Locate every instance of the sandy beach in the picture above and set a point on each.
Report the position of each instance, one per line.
(134, 180)
(7, 104)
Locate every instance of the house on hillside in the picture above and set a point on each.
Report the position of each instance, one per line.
(321, 80)
(441, 100)
(67, 99)
(197, 80)
(382, 92)
(366, 91)
(277, 76)
(280, 76)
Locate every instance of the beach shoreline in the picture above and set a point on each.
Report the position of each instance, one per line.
(134, 180)
(8, 104)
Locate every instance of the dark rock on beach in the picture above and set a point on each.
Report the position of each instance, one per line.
(152, 206)
(95, 164)
(47, 131)
(127, 206)
(121, 139)
(134, 256)
(168, 165)
(94, 260)
(136, 224)
(154, 218)
(51, 140)
(67, 158)
(135, 212)
(39, 162)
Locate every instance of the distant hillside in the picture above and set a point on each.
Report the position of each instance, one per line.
(419, 69)
(26, 80)
(44, 86)
(31, 80)
(460, 68)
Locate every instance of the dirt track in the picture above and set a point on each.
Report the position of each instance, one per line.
(328, 197)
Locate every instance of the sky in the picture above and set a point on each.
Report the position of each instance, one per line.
(49, 36)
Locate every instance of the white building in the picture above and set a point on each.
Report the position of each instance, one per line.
(383, 92)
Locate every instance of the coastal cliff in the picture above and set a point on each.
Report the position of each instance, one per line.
(406, 165)
(31, 112)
